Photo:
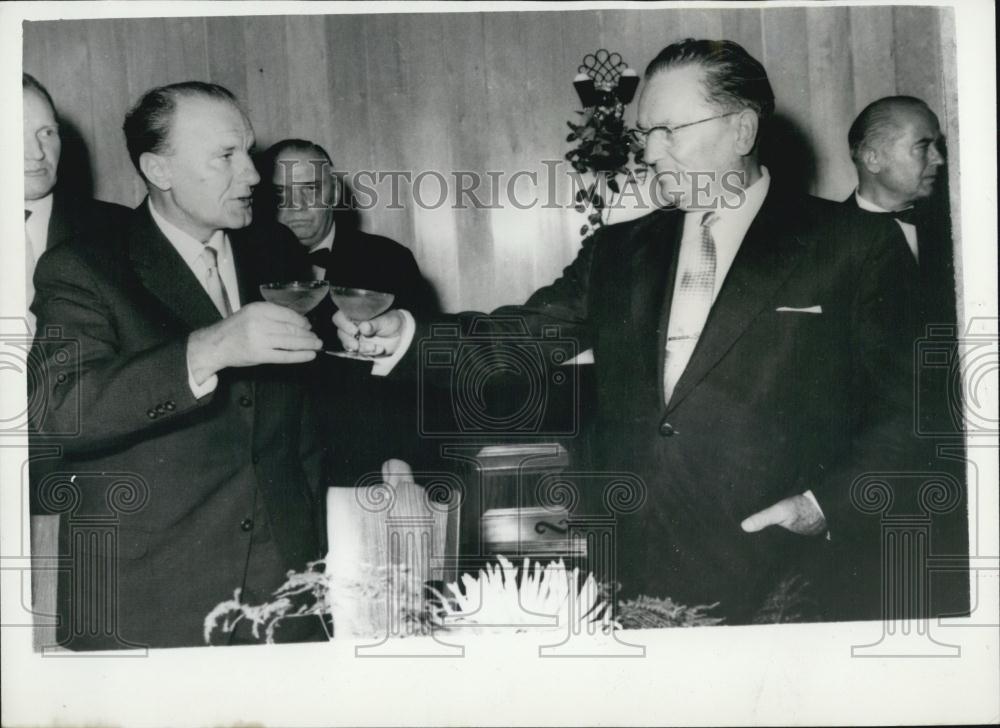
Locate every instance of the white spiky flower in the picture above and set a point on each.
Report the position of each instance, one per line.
(495, 601)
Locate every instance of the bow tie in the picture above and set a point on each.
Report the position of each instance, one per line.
(320, 258)
(908, 215)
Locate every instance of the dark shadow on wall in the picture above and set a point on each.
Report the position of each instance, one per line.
(787, 153)
(75, 173)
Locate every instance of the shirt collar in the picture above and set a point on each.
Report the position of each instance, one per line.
(870, 206)
(41, 207)
(37, 226)
(189, 248)
(867, 204)
(327, 242)
(734, 222)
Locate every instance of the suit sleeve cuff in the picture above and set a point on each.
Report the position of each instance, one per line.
(383, 366)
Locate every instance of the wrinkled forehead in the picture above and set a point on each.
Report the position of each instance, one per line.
(300, 167)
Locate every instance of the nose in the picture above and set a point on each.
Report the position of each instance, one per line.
(935, 157)
(248, 173)
(654, 148)
(33, 148)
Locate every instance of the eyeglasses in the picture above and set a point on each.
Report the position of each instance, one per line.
(669, 131)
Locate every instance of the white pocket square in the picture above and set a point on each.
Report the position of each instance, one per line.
(810, 309)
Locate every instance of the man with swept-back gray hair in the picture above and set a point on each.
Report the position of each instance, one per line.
(750, 360)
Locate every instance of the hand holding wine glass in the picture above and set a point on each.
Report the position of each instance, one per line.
(362, 326)
(377, 337)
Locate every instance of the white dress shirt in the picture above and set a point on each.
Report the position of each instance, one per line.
(728, 231)
(190, 250)
(37, 226)
(36, 238)
(325, 244)
(909, 231)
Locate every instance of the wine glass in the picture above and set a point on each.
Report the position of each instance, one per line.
(300, 296)
(359, 305)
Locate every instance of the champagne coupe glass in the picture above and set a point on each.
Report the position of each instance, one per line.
(359, 305)
(300, 296)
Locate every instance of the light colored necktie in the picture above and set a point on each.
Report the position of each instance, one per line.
(213, 281)
(691, 304)
(29, 272)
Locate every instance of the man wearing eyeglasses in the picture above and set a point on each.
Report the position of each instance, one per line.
(749, 350)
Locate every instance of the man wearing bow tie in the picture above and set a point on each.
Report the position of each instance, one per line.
(308, 198)
(749, 350)
(896, 146)
(195, 435)
(897, 149)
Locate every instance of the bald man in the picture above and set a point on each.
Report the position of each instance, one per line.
(897, 149)
(52, 213)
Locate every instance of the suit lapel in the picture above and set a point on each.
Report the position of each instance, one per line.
(61, 226)
(164, 273)
(655, 269)
(249, 275)
(768, 255)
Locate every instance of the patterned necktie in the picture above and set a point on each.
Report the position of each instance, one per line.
(691, 304)
(29, 272)
(213, 281)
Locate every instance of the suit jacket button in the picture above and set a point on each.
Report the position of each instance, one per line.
(246, 524)
(170, 405)
(666, 429)
(246, 401)
(160, 409)
(151, 414)
(255, 459)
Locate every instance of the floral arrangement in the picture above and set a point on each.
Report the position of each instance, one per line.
(497, 600)
(604, 147)
(500, 599)
(317, 593)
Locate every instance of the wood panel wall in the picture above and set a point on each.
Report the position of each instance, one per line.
(478, 92)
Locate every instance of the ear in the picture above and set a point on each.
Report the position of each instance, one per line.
(156, 168)
(337, 189)
(747, 125)
(869, 158)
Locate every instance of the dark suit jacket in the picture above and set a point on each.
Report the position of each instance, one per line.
(377, 418)
(934, 274)
(205, 495)
(73, 218)
(771, 404)
(933, 315)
